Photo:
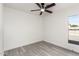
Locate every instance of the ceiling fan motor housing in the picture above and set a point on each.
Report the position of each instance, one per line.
(44, 8)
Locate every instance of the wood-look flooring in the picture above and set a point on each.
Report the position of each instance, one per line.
(40, 49)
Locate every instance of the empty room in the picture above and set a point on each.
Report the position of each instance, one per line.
(39, 29)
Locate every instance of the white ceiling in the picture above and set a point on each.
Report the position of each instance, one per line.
(30, 6)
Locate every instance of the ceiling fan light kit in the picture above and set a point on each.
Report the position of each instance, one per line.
(44, 8)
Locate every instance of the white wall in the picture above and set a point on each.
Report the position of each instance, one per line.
(1, 30)
(21, 28)
(56, 30)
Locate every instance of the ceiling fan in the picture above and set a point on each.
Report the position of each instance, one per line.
(44, 8)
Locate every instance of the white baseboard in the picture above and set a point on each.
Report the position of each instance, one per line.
(62, 46)
(24, 45)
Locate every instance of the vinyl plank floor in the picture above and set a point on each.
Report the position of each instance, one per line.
(40, 49)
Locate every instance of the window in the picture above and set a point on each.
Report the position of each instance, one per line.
(74, 29)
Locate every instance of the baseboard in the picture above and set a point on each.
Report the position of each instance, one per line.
(62, 47)
(25, 45)
(50, 43)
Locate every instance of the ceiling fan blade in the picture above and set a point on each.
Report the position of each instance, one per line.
(48, 11)
(48, 6)
(36, 10)
(38, 5)
(41, 13)
(42, 5)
